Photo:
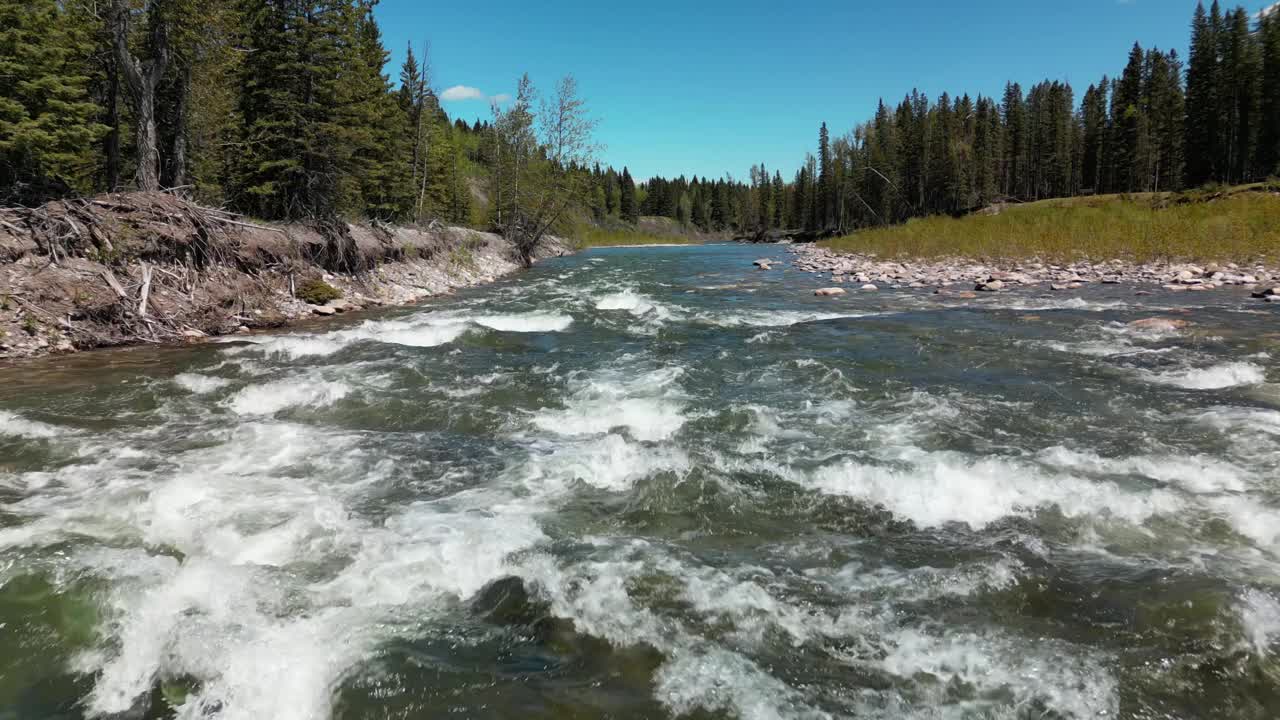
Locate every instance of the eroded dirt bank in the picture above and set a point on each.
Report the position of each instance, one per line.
(152, 268)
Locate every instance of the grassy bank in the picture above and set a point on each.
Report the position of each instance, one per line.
(649, 231)
(600, 237)
(1235, 224)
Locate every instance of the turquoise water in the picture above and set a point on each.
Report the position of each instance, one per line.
(646, 483)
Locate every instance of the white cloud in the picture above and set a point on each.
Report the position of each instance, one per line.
(501, 98)
(461, 92)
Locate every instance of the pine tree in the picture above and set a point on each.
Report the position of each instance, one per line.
(779, 200)
(823, 197)
(628, 209)
(1129, 125)
(1093, 112)
(47, 126)
(1015, 129)
(377, 182)
(290, 167)
(1201, 128)
(1269, 117)
(1240, 74)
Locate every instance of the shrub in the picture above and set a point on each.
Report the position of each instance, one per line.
(318, 292)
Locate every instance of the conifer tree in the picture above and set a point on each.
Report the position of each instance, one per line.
(1093, 112)
(823, 200)
(627, 207)
(1269, 91)
(47, 126)
(377, 182)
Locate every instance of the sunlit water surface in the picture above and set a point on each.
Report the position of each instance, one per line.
(645, 483)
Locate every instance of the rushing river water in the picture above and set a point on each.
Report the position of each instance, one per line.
(645, 483)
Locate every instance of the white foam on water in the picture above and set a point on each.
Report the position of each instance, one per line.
(272, 397)
(770, 319)
(933, 489)
(198, 384)
(716, 680)
(649, 404)
(1072, 684)
(610, 463)
(1198, 474)
(1259, 615)
(921, 583)
(632, 302)
(255, 517)
(1215, 377)
(421, 330)
(15, 425)
(998, 302)
(526, 322)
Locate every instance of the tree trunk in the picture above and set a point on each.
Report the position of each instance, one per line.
(175, 175)
(142, 78)
(111, 143)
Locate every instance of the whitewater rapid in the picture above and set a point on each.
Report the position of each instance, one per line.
(656, 483)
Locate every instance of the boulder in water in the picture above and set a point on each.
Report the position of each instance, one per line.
(990, 286)
(826, 292)
(506, 601)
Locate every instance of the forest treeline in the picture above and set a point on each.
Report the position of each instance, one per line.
(283, 109)
(1160, 125)
(280, 109)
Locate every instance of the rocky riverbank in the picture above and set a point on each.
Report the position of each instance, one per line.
(152, 268)
(870, 273)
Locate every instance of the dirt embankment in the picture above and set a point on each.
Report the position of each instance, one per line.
(151, 268)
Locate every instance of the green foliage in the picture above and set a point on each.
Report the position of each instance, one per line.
(318, 292)
(47, 123)
(30, 324)
(322, 135)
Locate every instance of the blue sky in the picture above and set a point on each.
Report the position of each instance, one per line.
(709, 86)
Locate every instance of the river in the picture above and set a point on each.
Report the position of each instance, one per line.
(646, 483)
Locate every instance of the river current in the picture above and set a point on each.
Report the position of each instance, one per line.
(648, 483)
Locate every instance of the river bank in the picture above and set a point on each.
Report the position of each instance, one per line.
(967, 274)
(151, 268)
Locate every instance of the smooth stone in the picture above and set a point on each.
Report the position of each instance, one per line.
(826, 292)
(323, 310)
(869, 287)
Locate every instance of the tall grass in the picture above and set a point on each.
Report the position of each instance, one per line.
(1239, 225)
(592, 236)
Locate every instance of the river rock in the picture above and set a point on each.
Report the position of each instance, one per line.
(990, 286)
(193, 334)
(826, 292)
(869, 286)
(763, 263)
(323, 310)
(1268, 292)
(506, 601)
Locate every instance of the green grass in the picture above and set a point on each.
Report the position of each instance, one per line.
(1233, 224)
(610, 237)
